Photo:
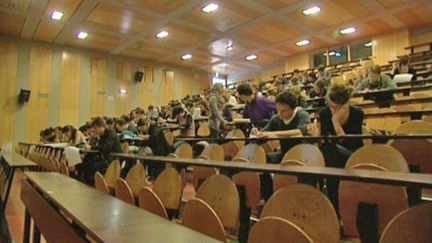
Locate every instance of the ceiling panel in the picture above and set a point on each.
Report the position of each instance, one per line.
(149, 51)
(416, 16)
(226, 68)
(264, 58)
(229, 15)
(276, 4)
(97, 41)
(389, 4)
(292, 48)
(122, 20)
(158, 6)
(268, 32)
(20, 5)
(11, 24)
(334, 12)
(180, 36)
(48, 29)
(219, 47)
(197, 61)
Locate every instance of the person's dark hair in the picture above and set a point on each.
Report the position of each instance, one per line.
(143, 121)
(109, 121)
(340, 93)
(139, 111)
(126, 118)
(321, 68)
(98, 122)
(189, 104)
(321, 85)
(288, 98)
(84, 128)
(121, 122)
(404, 60)
(296, 71)
(70, 128)
(311, 75)
(375, 69)
(177, 110)
(244, 89)
(150, 107)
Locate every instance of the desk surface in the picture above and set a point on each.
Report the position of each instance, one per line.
(107, 218)
(16, 160)
(389, 178)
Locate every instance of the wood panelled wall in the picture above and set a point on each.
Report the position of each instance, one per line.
(69, 86)
(390, 45)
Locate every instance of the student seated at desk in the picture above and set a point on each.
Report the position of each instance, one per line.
(290, 121)
(319, 91)
(122, 131)
(108, 143)
(403, 67)
(324, 75)
(376, 81)
(258, 108)
(339, 118)
(185, 121)
(72, 136)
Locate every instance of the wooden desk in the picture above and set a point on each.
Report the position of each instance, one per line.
(389, 178)
(102, 217)
(9, 162)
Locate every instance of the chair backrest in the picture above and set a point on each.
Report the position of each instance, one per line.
(251, 183)
(385, 123)
(125, 147)
(123, 191)
(390, 200)
(100, 183)
(308, 154)
(232, 148)
(168, 187)
(199, 216)
(252, 153)
(276, 229)
(112, 173)
(169, 137)
(307, 208)
(380, 154)
(184, 151)
(221, 194)
(411, 225)
(148, 200)
(204, 130)
(136, 178)
(280, 181)
(236, 133)
(213, 152)
(415, 127)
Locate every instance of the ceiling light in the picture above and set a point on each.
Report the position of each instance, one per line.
(349, 30)
(210, 7)
(332, 53)
(312, 10)
(251, 57)
(368, 44)
(186, 56)
(230, 48)
(56, 15)
(223, 65)
(82, 35)
(122, 91)
(303, 42)
(162, 34)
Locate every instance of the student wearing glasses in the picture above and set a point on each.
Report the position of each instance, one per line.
(339, 118)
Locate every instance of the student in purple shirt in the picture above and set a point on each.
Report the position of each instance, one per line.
(258, 109)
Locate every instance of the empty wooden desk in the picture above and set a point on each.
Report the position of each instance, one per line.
(101, 217)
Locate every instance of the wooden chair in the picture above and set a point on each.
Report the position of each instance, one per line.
(184, 151)
(64, 168)
(199, 216)
(390, 200)
(270, 146)
(169, 137)
(277, 230)
(212, 152)
(148, 200)
(100, 183)
(112, 173)
(308, 209)
(255, 154)
(232, 148)
(204, 130)
(380, 154)
(168, 187)
(384, 123)
(300, 155)
(125, 147)
(123, 191)
(412, 225)
(136, 178)
(427, 119)
(221, 194)
(401, 108)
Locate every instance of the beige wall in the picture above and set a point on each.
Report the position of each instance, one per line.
(390, 45)
(68, 86)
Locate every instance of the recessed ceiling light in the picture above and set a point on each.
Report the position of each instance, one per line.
(368, 44)
(303, 43)
(230, 48)
(312, 10)
(82, 35)
(56, 15)
(122, 91)
(346, 31)
(223, 65)
(332, 53)
(162, 34)
(251, 57)
(186, 56)
(210, 7)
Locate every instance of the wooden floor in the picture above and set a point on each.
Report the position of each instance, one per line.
(15, 209)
